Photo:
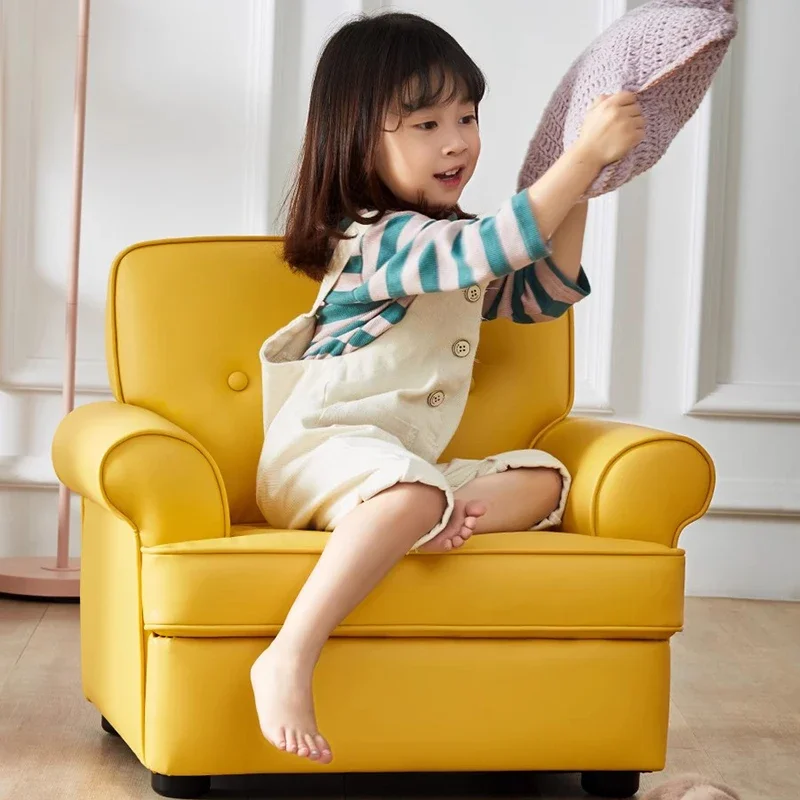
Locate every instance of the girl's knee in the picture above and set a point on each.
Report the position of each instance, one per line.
(432, 499)
(547, 488)
(552, 486)
(425, 502)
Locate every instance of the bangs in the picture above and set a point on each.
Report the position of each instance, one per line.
(435, 86)
(429, 70)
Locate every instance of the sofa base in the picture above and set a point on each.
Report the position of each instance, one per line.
(180, 786)
(417, 705)
(610, 784)
(595, 784)
(108, 727)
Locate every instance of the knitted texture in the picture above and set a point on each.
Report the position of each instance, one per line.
(667, 51)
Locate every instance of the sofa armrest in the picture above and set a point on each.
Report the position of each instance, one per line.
(145, 470)
(630, 482)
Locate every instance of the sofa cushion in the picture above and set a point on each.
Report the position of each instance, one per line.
(667, 51)
(528, 585)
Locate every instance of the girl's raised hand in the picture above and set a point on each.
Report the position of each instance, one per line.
(613, 126)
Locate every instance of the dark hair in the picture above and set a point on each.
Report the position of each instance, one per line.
(370, 66)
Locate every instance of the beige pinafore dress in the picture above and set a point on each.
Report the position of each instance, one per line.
(341, 429)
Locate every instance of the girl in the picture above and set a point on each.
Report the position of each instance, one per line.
(363, 393)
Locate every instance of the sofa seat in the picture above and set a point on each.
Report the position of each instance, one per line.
(508, 585)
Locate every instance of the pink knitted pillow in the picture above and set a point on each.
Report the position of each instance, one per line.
(666, 51)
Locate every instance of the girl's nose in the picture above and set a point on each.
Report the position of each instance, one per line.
(455, 146)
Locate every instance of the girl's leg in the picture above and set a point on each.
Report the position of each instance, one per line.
(360, 551)
(515, 500)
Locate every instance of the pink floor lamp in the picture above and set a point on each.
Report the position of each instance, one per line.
(43, 577)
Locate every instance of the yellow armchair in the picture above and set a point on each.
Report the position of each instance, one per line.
(143, 469)
(630, 482)
(521, 651)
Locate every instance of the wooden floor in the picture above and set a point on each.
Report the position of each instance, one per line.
(735, 712)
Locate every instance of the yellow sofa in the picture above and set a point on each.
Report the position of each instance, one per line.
(522, 651)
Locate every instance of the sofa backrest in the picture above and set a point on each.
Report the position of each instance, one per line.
(186, 319)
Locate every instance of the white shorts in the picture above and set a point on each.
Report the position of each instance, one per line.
(316, 490)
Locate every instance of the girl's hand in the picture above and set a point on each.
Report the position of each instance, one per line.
(613, 126)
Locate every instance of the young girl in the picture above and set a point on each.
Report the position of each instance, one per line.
(363, 393)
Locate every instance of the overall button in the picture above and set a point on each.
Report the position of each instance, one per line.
(238, 381)
(461, 348)
(473, 294)
(435, 399)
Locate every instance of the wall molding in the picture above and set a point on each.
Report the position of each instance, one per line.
(610, 10)
(748, 497)
(18, 370)
(593, 381)
(740, 497)
(750, 401)
(259, 92)
(40, 374)
(18, 20)
(27, 472)
(704, 393)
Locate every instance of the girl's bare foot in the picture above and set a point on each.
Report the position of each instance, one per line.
(285, 705)
(458, 529)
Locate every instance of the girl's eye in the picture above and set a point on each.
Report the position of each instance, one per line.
(426, 126)
(469, 118)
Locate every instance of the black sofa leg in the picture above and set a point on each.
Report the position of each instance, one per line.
(180, 785)
(610, 784)
(107, 726)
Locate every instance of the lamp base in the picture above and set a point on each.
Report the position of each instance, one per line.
(40, 577)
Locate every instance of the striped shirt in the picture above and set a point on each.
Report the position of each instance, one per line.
(408, 253)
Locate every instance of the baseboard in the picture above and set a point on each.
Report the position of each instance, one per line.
(753, 558)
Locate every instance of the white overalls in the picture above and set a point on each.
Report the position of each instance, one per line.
(341, 429)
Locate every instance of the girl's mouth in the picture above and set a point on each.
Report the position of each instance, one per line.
(452, 178)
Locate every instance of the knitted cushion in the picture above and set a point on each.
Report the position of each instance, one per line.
(691, 787)
(666, 51)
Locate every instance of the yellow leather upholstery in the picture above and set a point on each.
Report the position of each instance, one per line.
(145, 470)
(180, 325)
(182, 318)
(400, 705)
(521, 651)
(630, 482)
(537, 585)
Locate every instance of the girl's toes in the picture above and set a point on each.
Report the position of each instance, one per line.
(302, 747)
(475, 508)
(466, 533)
(448, 544)
(324, 748)
(313, 752)
(457, 541)
(470, 522)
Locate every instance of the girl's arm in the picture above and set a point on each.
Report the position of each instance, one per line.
(408, 254)
(612, 128)
(556, 193)
(544, 290)
(567, 242)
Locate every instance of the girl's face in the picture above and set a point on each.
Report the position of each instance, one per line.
(416, 152)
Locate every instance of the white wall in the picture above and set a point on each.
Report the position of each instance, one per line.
(196, 109)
